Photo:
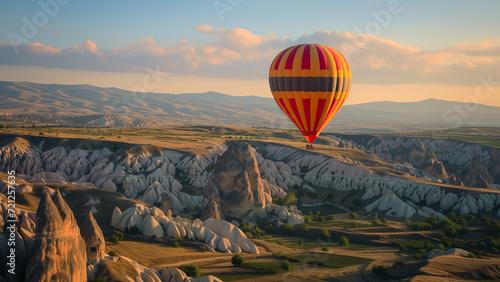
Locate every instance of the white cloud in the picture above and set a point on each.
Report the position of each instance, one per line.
(238, 53)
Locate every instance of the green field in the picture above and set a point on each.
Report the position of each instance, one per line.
(333, 260)
(268, 266)
(410, 243)
(323, 209)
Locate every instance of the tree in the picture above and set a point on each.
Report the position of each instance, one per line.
(344, 242)
(191, 270)
(287, 229)
(353, 215)
(440, 246)
(383, 220)
(286, 265)
(270, 229)
(300, 242)
(485, 219)
(175, 245)
(469, 217)
(118, 234)
(324, 234)
(398, 263)
(237, 260)
(330, 217)
(114, 239)
(113, 253)
(433, 220)
(290, 198)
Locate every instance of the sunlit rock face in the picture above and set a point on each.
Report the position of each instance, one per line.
(478, 175)
(237, 181)
(59, 252)
(94, 238)
(494, 166)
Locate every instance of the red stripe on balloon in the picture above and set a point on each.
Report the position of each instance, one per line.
(295, 110)
(289, 60)
(283, 107)
(306, 58)
(319, 112)
(311, 138)
(336, 57)
(323, 63)
(307, 112)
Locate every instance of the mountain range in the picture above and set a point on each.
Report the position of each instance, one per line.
(86, 104)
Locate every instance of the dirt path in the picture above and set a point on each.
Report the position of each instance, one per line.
(361, 272)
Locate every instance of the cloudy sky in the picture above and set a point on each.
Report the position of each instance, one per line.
(398, 50)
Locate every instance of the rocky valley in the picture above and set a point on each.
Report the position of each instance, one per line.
(211, 195)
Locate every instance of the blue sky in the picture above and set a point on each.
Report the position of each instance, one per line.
(445, 43)
(427, 24)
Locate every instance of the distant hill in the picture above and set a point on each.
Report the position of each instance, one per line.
(87, 104)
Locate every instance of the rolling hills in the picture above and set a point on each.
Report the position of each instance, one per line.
(112, 107)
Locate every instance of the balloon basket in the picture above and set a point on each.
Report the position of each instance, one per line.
(309, 147)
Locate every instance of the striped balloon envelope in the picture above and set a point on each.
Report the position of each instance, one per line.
(310, 83)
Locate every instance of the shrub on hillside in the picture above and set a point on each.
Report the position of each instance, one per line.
(191, 270)
(344, 242)
(237, 260)
(286, 265)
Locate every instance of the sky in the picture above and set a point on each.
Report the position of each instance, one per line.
(398, 50)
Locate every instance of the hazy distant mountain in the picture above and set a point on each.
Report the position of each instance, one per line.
(86, 104)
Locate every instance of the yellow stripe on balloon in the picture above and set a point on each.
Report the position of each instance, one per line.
(314, 61)
(332, 69)
(300, 107)
(297, 61)
(295, 118)
(313, 111)
(281, 67)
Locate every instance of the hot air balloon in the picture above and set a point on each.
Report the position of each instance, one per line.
(310, 83)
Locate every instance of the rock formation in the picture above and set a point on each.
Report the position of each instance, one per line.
(494, 166)
(211, 206)
(58, 253)
(117, 270)
(478, 175)
(424, 159)
(151, 221)
(455, 180)
(93, 237)
(236, 179)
